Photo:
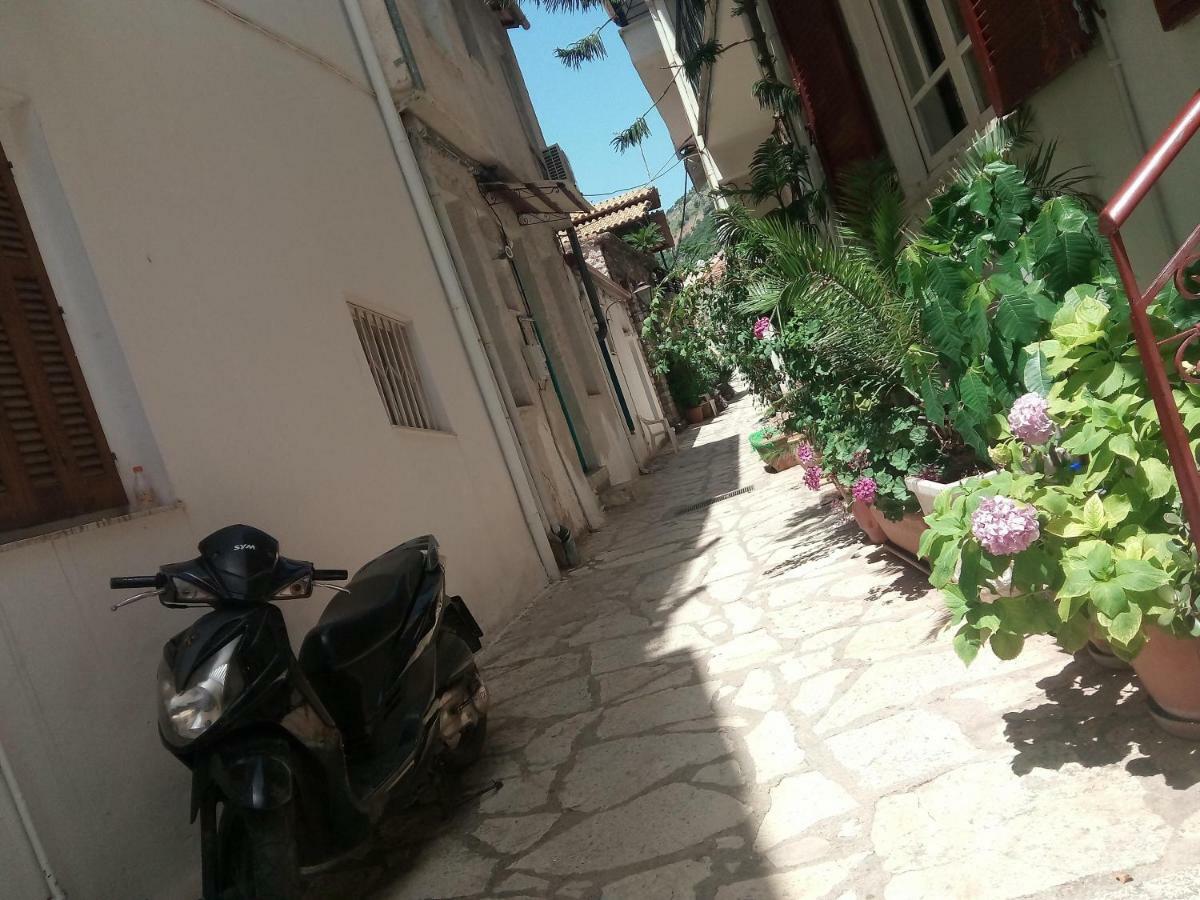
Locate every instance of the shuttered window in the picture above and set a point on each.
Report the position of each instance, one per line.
(1022, 45)
(1173, 13)
(837, 107)
(54, 461)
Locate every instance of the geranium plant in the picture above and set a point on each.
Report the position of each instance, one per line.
(1079, 532)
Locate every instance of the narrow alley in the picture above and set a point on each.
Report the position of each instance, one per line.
(743, 702)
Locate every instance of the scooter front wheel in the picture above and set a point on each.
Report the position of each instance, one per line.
(257, 858)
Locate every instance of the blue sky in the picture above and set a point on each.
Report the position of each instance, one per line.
(582, 110)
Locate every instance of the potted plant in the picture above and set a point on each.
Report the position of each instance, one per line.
(1082, 518)
(687, 387)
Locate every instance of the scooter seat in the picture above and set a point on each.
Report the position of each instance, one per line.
(381, 593)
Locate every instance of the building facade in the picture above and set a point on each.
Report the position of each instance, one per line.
(217, 267)
(454, 79)
(915, 79)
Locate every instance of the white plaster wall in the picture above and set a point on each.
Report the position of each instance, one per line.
(228, 196)
(732, 121)
(645, 50)
(633, 373)
(1081, 109)
(477, 102)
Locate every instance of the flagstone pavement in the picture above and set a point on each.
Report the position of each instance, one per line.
(743, 702)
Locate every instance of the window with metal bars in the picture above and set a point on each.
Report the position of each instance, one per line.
(54, 461)
(388, 346)
(689, 32)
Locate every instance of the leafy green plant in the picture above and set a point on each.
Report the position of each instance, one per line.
(645, 239)
(1111, 552)
(989, 271)
(779, 172)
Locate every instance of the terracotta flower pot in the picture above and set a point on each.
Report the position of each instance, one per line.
(1169, 669)
(904, 533)
(694, 414)
(865, 517)
(1101, 652)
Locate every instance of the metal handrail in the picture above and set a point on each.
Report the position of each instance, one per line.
(1150, 349)
(1151, 168)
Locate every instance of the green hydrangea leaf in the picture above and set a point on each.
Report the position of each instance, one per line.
(1007, 645)
(1126, 625)
(1109, 597)
(1156, 478)
(1139, 575)
(967, 643)
(1093, 514)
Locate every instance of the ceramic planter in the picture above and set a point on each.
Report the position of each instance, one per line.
(905, 533)
(927, 491)
(694, 414)
(1169, 669)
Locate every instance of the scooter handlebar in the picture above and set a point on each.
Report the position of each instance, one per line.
(133, 582)
(330, 574)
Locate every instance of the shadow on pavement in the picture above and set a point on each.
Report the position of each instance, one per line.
(1097, 717)
(622, 773)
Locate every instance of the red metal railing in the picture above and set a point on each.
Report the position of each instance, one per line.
(1112, 219)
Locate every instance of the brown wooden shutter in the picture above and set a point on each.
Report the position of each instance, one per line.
(1022, 45)
(54, 460)
(1173, 13)
(825, 70)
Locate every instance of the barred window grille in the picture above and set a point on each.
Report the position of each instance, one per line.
(389, 351)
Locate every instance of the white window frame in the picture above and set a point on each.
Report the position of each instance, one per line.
(387, 344)
(954, 54)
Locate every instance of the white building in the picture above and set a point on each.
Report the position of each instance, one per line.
(914, 79)
(218, 264)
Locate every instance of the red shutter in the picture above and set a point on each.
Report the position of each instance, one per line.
(1022, 45)
(825, 69)
(1173, 13)
(54, 460)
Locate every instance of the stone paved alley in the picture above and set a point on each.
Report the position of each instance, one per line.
(745, 703)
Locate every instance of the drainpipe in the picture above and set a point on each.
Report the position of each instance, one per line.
(1132, 123)
(601, 323)
(455, 294)
(31, 835)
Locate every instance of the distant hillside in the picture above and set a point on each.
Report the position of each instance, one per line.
(696, 235)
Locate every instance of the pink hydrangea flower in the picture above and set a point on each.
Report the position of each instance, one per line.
(805, 453)
(812, 478)
(1003, 526)
(864, 490)
(763, 328)
(1028, 419)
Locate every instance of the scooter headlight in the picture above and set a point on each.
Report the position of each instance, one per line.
(215, 684)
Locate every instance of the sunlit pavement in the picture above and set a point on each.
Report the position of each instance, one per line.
(743, 701)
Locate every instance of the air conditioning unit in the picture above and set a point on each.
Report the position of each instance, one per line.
(556, 165)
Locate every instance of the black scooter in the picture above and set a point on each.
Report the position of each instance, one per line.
(293, 759)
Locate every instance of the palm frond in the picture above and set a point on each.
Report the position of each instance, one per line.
(1045, 182)
(702, 57)
(871, 207)
(775, 95)
(863, 322)
(632, 136)
(584, 50)
(996, 143)
(645, 239)
(558, 6)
